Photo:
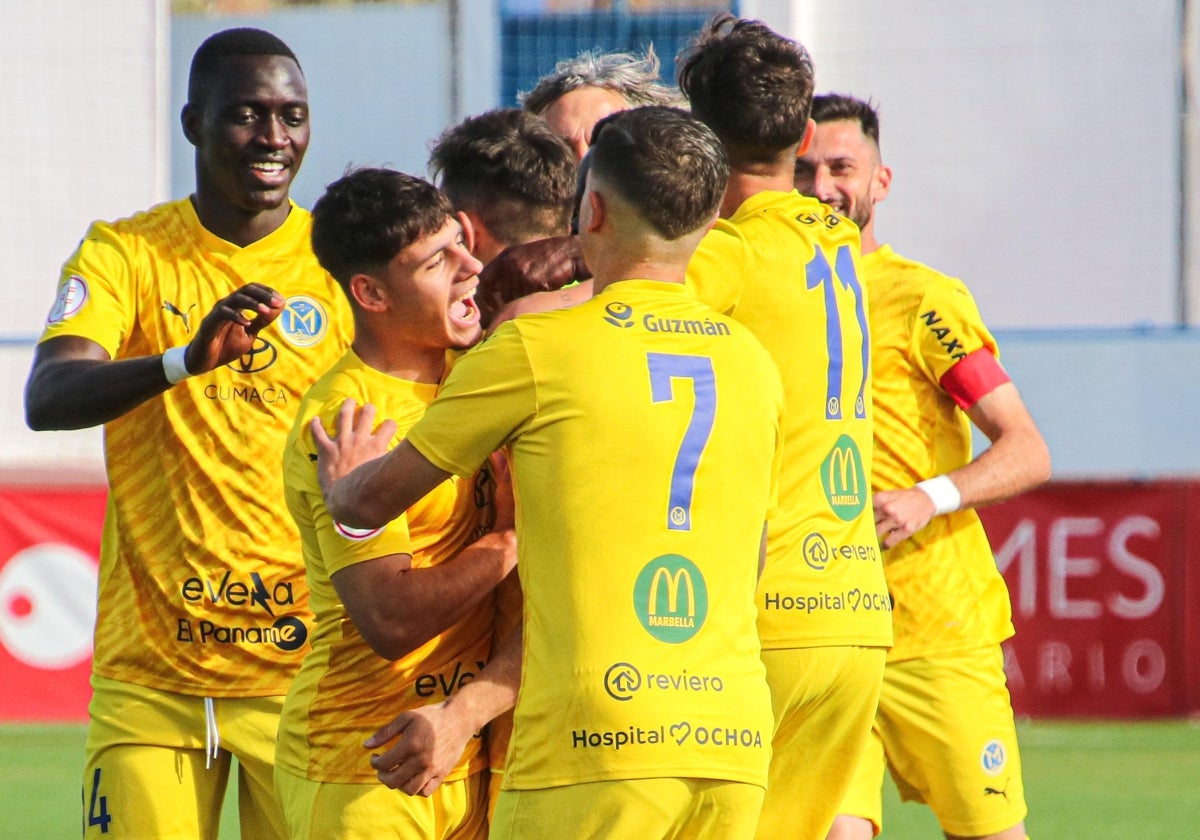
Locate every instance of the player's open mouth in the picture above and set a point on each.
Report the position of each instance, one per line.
(271, 171)
(464, 310)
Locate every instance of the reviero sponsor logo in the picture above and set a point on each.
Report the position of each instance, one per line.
(818, 552)
(670, 598)
(622, 680)
(844, 479)
(619, 314)
(303, 321)
(854, 600)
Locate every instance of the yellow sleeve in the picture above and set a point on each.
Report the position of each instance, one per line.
(97, 295)
(488, 397)
(949, 328)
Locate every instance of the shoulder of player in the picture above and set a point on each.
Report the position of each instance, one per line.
(885, 261)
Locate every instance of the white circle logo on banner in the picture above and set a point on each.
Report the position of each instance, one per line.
(48, 605)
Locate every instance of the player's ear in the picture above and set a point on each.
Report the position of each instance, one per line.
(189, 118)
(598, 208)
(810, 131)
(468, 230)
(368, 293)
(883, 183)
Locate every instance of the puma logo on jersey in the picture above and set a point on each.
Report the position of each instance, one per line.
(174, 310)
(991, 791)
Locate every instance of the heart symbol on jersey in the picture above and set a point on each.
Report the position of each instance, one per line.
(853, 597)
(681, 731)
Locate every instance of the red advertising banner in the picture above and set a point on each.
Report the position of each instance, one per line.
(1100, 585)
(1098, 573)
(49, 550)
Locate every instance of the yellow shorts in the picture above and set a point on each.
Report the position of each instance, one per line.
(148, 774)
(945, 726)
(643, 808)
(824, 700)
(326, 811)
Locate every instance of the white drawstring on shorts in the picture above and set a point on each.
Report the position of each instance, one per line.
(212, 736)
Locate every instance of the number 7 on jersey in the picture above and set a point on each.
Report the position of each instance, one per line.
(664, 368)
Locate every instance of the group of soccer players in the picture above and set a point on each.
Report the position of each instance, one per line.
(616, 571)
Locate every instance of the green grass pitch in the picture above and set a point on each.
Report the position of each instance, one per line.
(1102, 781)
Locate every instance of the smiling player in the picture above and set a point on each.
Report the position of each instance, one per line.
(191, 331)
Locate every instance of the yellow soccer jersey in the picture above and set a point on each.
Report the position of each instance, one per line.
(345, 691)
(925, 328)
(786, 267)
(201, 583)
(644, 433)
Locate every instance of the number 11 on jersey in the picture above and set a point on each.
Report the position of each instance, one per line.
(665, 367)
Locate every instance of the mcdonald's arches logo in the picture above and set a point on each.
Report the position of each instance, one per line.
(670, 598)
(844, 479)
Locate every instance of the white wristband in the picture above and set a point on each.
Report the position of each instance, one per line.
(941, 489)
(174, 366)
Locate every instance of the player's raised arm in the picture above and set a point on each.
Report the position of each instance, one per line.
(361, 488)
(74, 384)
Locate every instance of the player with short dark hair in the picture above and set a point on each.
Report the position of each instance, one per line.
(404, 612)
(787, 267)
(945, 720)
(643, 709)
(511, 175)
(191, 331)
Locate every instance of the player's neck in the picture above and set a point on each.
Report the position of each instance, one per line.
(869, 242)
(399, 358)
(238, 226)
(745, 183)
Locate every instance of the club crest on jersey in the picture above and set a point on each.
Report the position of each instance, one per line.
(71, 298)
(355, 534)
(993, 758)
(303, 321)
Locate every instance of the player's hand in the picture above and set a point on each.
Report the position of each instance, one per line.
(431, 741)
(543, 265)
(229, 331)
(901, 513)
(355, 442)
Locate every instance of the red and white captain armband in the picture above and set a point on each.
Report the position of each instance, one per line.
(174, 365)
(945, 496)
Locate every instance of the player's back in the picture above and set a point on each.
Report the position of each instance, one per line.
(644, 474)
(786, 267)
